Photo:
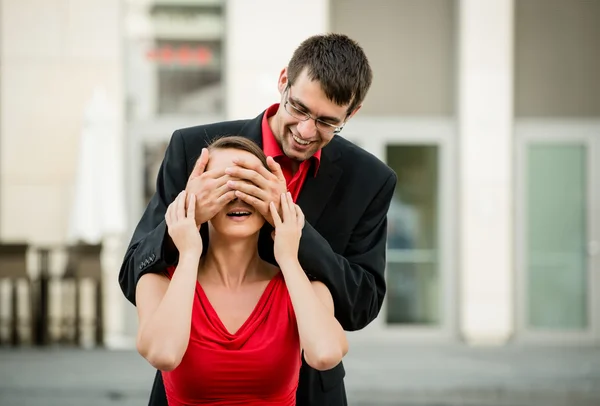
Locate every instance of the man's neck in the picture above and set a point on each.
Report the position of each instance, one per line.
(291, 164)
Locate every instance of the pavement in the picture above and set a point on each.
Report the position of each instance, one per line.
(376, 374)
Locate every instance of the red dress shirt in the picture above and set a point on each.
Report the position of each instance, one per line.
(271, 148)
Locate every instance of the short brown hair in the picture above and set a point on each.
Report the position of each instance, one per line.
(241, 143)
(338, 63)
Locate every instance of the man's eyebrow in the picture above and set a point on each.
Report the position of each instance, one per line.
(303, 106)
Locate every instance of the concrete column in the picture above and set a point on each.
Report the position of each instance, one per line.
(261, 37)
(486, 187)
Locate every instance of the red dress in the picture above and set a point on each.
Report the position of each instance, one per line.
(259, 365)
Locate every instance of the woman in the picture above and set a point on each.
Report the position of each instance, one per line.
(225, 327)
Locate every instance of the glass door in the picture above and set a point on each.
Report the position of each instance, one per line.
(413, 237)
(421, 286)
(558, 242)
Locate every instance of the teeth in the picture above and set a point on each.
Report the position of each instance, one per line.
(300, 141)
(239, 213)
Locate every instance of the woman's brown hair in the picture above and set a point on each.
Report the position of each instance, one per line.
(241, 143)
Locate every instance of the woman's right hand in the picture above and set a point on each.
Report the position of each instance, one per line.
(182, 226)
(288, 229)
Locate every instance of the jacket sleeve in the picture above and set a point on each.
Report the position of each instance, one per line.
(151, 249)
(356, 278)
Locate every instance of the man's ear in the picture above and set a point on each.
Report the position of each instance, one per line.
(354, 112)
(283, 81)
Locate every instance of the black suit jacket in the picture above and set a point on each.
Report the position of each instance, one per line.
(343, 242)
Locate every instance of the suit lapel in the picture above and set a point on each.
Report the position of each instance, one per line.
(253, 130)
(316, 190)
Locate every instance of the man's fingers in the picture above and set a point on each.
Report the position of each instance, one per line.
(253, 165)
(225, 198)
(248, 188)
(215, 173)
(209, 180)
(251, 175)
(220, 182)
(200, 164)
(221, 190)
(275, 215)
(253, 201)
(207, 187)
(275, 168)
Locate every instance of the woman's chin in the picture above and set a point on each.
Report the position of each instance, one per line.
(238, 231)
(237, 226)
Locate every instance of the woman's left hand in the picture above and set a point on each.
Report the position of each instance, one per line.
(288, 229)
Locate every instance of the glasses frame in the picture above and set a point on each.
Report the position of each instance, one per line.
(321, 125)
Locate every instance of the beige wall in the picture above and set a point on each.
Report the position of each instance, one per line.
(557, 58)
(411, 45)
(54, 52)
(251, 80)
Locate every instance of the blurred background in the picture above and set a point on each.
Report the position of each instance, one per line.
(487, 110)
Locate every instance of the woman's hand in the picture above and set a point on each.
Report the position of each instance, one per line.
(182, 226)
(288, 229)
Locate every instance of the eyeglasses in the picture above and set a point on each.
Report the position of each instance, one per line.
(322, 126)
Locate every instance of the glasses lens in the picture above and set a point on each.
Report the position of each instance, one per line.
(326, 129)
(321, 126)
(294, 112)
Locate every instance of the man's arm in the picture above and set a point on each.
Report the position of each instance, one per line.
(356, 279)
(151, 248)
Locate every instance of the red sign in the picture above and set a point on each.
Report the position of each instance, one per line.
(180, 55)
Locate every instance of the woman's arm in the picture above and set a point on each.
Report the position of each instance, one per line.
(165, 314)
(321, 336)
(165, 308)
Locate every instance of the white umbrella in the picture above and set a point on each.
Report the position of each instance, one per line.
(98, 202)
(97, 214)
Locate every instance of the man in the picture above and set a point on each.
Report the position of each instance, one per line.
(343, 191)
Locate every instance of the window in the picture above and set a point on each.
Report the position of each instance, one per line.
(413, 254)
(556, 241)
(175, 58)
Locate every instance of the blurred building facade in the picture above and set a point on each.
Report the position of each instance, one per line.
(488, 111)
